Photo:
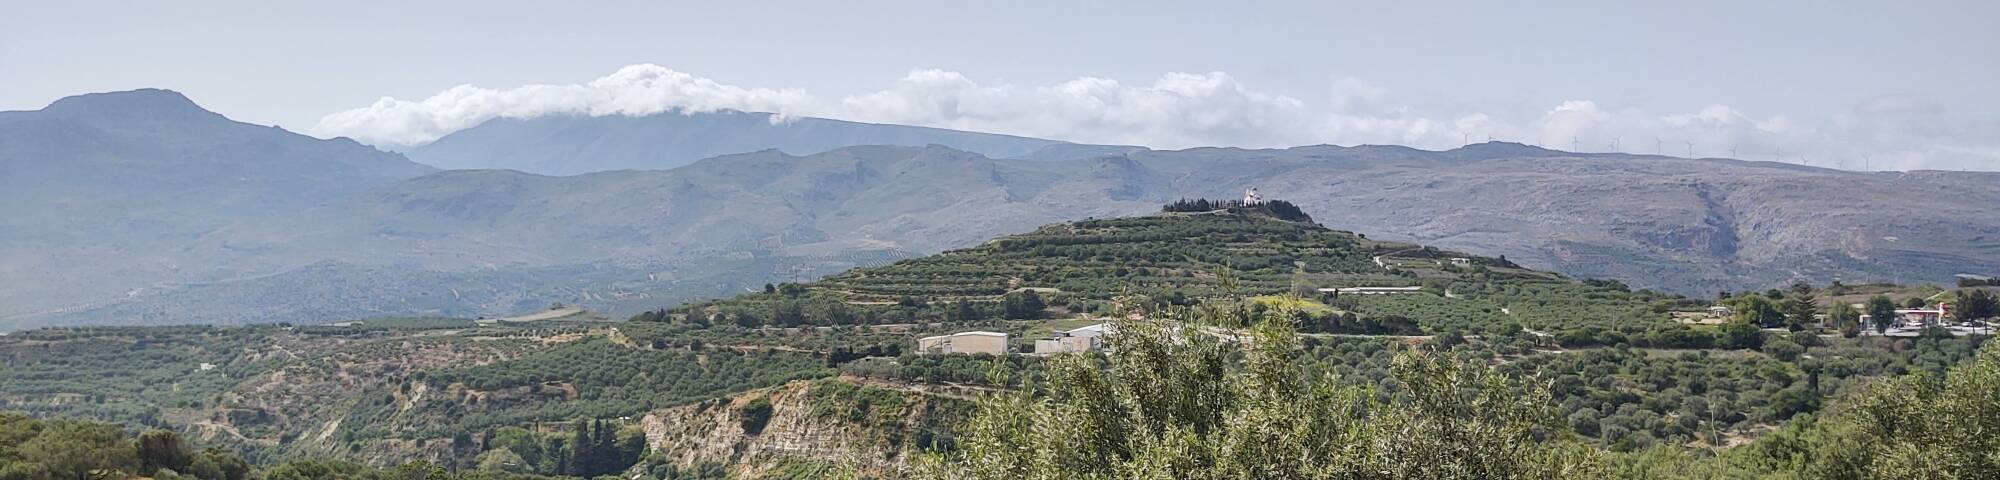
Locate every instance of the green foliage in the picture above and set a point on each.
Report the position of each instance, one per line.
(1758, 310)
(890, 418)
(502, 460)
(34, 449)
(1919, 426)
(1741, 334)
(1784, 350)
(594, 448)
(1582, 314)
(1278, 209)
(609, 380)
(1881, 313)
(1632, 399)
(754, 415)
(1913, 302)
(1845, 318)
(1800, 307)
(1975, 305)
(217, 464)
(124, 374)
(1177, 403)
(1022, 305)
(163, 449)
(1176, 259)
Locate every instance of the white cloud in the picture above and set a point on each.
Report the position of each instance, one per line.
(1180, 110)
(633, 90)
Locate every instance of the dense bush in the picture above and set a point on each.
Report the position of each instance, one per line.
(1171, 406)
(755, 414)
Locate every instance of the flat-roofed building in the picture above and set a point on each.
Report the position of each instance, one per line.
(1085, 339)
(934, 344)
(964, 342)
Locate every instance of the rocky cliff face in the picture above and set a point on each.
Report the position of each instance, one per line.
(835, 421)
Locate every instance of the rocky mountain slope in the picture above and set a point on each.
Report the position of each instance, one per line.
(638, 239)
(1687, 225)
(102, 189)
(201, 219)
(577, 144)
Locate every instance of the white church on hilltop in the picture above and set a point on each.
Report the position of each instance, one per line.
(1251, 197)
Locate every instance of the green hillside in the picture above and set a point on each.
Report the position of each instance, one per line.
(581, 396)
(1077, 269)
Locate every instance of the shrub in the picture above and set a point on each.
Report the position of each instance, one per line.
(756, 414)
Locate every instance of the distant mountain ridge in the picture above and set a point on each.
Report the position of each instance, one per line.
(188, 217)
(110, 185)
(578, 144)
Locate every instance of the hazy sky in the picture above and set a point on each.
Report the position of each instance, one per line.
(1903, 84)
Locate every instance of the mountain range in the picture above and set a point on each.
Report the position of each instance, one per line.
(139, 207)
(101, 191)
(578, 144)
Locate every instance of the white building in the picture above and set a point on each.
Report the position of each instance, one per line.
(1251, 197)
(964, 342)
(1914, 317)
(1085, 339)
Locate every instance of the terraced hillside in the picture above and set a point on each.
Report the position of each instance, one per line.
(1077, 269)
(820, 377)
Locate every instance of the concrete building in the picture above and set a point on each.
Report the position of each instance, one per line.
(1915, 317)
(1461, 262)
(1085, 339)
(964, 342)
(1251, 197)
(1922, 316)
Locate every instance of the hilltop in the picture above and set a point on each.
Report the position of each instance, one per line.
(1081, 269)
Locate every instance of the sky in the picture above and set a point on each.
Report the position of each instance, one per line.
(1878, 85)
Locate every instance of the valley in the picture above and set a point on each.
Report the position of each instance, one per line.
(804, 240)
(825, 377)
